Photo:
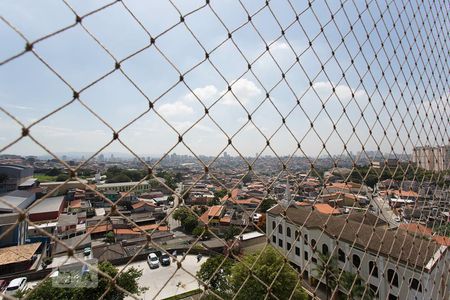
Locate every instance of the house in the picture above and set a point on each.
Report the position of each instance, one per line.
(78, 242)
(19, 258)
(393, 263)
(16, 199)
(12, 232)
(345, 187)
(67, 225)
(15, 175)
(143, 206)
(212, 216)
(48, 209)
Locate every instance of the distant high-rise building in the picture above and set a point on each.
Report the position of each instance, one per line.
(225, 154)
(432, 158)
(101, 157)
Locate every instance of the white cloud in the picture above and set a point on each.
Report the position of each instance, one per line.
(175, 109)
(206, 94)
(279, 46)
(245, 91)
(183, 126)
(20, 107)
(342, 91)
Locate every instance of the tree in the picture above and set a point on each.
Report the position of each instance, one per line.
(230, 232)
(198, 231)
(110, 238)
(62, 177)
(262, 222)
(220, 193)
(53, 172)
(354, 287)
(266, 268)
(127, 280)
(219, 281)
(266, 204)
(327, 269)
(187, 219)
(119, 178)
(443, 230)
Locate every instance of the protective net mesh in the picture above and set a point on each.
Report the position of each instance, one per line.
(322, 127)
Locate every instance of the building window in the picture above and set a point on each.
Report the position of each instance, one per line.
(297, 234)
(392, 297)
(280, 229)
(341, 255)
(274, 239)
(324, 249)
(392, 277)
(280, 243)
(306, 239)
(415, 285)
(314, 260)
(313, 245)
(297, 251)
(374, 289)
(273, 225)
(306, 255)
(288, 246)
(356, 261)
(288, 232)
(373, 269)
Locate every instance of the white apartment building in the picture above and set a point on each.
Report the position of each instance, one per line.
(432, 158)
(403, 266)
(143, 186)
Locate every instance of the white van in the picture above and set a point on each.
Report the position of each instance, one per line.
(17, 284)
(153, 261)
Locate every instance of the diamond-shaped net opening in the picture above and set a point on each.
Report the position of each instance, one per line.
(224, 150)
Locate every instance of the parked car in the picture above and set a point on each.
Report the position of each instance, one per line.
(153, 261)
(165, 260)
(16, 285)
(3, 285)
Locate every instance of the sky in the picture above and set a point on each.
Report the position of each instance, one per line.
(367, 108)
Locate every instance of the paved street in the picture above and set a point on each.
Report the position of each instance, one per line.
(174, 223)
(160, 278)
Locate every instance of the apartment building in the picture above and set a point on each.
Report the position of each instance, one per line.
(395, 264)
(138, 187)
(432, 158)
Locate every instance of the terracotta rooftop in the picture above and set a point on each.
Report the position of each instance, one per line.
(225, 219)
(75, 204)
(396, 244)
(418, 228)
(324, 208)
(99, 228)
(406, 194)
(16, 254)
(215, 211)
(141, 204)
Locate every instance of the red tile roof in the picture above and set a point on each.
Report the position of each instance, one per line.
(324, 208)
(215, 211)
